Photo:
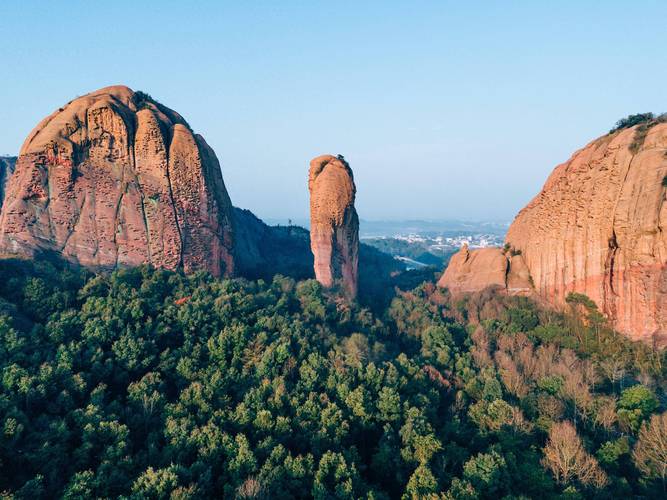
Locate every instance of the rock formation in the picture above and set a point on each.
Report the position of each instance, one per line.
(7, 164)
(114, 178)
(596, 228)
(334, 225)
(470, 271)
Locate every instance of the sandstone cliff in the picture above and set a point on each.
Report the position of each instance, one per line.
(7, 164)
(334, 225)
(595, 228)
(114, 178)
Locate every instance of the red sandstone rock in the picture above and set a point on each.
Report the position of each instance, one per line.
(474, 270)
(469, 271)
(595, 228)
(115, 179)
(334, 225)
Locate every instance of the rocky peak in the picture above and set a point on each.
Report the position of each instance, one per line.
(334, 225)
(114, 178)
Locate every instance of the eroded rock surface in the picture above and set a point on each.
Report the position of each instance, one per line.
(7, 164)
(474, 270)
(597, 228)
(114, 178)
(334, 225)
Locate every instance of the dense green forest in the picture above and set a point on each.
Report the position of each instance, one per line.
(150, 384)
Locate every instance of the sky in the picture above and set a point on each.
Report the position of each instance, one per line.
(444, 110)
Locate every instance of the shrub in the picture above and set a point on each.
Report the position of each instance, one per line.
(631, 121)
(142, 99)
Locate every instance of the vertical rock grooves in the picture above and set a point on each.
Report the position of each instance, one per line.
(334, 224)
(596, 228)
(609, 271)
(116, 179)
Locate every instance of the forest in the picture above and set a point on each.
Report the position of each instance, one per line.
(146, 383)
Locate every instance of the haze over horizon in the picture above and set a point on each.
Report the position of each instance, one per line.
(444, 110)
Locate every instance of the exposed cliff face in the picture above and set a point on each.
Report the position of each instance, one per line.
(114, 178)
(7, 164)
(597, 228)
(334, 225)
(474, 270)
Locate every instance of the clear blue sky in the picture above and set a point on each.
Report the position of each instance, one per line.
(444, 109)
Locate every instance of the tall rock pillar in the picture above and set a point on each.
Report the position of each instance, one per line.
(334, 224)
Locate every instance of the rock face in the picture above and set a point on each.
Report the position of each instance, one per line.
(114, 178)
(474, 270)
(7, 164)
(597, 228)
(334, 225)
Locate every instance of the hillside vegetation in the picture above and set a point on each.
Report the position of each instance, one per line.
(152, 384)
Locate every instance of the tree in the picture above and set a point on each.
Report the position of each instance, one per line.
(635, 405)
(82, 485)
(650, 453)
(610, 452)
(565, 456)
(487, 472)
(422, 484)
(334, 477)
(156, 483)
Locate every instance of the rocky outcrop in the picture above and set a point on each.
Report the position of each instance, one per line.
(596, 228)
(334, 225)
(114, 178)
(474, 270)
(7, 164)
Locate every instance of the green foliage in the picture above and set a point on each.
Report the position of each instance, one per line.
(487, 472)
(643, 122)
(631, 121)
(611, 451)
(635, 405)
(551, 384)
(150, 384)
(334, 477)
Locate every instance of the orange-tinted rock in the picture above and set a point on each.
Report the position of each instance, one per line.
(116, 179)
(519, 281)
(597, 228)
(474, 270)
(334, 225)
(470, 271)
